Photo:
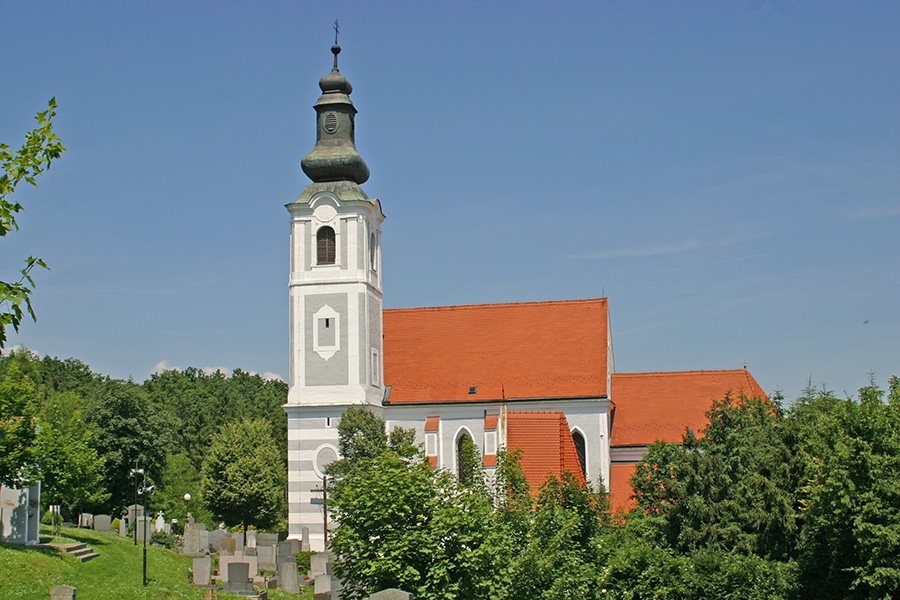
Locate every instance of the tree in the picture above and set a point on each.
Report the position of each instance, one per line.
(731, 489)
(130, 431)
(18, 451)
(179, 477)
(41, 147)
(71, 468)
(243, 477)
(850, 455)
(560, 557)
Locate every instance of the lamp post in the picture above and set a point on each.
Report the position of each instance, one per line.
(136, 473)
(187, 499)
(145, 491)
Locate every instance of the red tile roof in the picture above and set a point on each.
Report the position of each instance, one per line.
(431, 423)
(620, 486)
(660, 406)
(546, 444)
(528, 350)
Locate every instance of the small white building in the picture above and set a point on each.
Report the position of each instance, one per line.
(20, 515)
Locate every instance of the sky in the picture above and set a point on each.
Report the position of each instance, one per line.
(727, 173)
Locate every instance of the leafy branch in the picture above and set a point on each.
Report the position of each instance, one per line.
(41, 147)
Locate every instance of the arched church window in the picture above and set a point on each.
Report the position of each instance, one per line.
(325, 247)
(372, 262)
(578, 439)
(465, 452)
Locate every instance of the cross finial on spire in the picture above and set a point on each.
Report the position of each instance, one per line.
(336, 49)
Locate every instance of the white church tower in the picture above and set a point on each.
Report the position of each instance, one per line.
(335, 303)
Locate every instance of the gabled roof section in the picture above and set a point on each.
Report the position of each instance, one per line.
(546, 444)
(660, 406)
(504, 351)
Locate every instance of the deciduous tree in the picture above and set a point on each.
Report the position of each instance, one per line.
(41, 147)
(243, 476)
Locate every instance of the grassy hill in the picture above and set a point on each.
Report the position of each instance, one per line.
(117, 573)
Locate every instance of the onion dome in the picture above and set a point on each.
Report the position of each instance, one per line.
(334, 157)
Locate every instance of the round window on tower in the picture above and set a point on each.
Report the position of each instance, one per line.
(331, 122)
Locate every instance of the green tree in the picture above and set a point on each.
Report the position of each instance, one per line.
(362, 437)
(204, 402)
(18, 451)
(130, 431)
(731, 489)
(243, 477)
(180, 477)
(41, 147)
(850, 499)
(71, 469)
(560, 557)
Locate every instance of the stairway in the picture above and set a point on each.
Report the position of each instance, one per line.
(80, 551)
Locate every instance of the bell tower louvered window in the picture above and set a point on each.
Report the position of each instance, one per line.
(325, 247)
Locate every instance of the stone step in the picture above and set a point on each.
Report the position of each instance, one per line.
(86, 557)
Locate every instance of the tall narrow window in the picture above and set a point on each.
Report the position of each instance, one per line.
(580, 450)
(466, 454)
(372, 257)
(325, 250)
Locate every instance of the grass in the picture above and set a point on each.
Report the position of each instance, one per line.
(117, 573)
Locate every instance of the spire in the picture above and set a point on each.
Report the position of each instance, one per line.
(334, 158)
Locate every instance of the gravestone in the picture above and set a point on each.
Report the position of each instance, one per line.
(215, 536)
(319, 563)
(391, 594)
(304, 541)
(140, 524)
(63, 592)
(103, 523)
(266, 539)
(123, 526)
(326, 581)
(288, 580)
(251, 538)
(202, 570)
(238, 557)
(238, 579)
(227, 546)
(86, 520)
(266, 556)
(286, 550)
(135, 511)
(196, 539)
(238, 538)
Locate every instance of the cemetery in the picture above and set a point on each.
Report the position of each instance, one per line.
(206, 564)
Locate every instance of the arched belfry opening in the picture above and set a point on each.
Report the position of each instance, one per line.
(325, 246)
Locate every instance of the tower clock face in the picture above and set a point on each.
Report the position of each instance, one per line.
(331, 122)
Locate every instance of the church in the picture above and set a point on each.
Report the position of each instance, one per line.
(535, 376)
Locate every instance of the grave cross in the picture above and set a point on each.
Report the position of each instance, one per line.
(324, 491)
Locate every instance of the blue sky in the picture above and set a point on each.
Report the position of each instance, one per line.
(727, 173)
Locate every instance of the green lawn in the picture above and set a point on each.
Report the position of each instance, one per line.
(116, 574)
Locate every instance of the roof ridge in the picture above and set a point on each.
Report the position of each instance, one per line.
(695, 372)
(500, 305)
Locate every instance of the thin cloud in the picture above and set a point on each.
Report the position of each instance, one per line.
(875, 212)
(164, 365)
(664, 249)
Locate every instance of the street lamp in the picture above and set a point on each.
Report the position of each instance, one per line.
(187, 498)
(145, 492)
(136, 473)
